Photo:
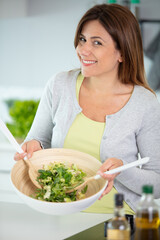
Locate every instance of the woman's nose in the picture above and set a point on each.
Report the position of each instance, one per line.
(85, 49)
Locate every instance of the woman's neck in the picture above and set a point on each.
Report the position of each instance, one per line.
(103, 85)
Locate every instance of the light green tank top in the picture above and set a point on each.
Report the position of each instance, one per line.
(85, 135)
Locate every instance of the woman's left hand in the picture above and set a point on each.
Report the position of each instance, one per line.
(109, 164)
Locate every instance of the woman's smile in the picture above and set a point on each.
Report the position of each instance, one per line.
(88, 62)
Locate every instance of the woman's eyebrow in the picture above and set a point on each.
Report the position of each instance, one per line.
(98, 38)
(82, 35)
(94, 37)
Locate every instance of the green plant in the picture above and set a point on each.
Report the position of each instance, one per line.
(22, 114)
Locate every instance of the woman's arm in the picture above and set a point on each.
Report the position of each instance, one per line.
(42, 127)
(148, 144)
(40, 133)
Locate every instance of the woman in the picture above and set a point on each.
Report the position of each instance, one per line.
(106, 107)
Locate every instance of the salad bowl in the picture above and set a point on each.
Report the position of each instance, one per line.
(25, 188)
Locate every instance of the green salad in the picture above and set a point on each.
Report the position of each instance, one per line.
(58, 178)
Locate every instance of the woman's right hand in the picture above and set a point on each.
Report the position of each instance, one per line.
(28, 148)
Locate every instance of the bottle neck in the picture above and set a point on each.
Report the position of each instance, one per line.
(119, 211)
(148, 196)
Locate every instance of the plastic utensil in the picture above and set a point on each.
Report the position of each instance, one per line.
(33, 173)
(115, 170)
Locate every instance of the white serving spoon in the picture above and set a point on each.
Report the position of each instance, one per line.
(33, 173)
(115, 170)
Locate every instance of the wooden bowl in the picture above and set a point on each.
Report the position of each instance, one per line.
(24, 187)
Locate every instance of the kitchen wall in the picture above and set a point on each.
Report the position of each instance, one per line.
(40, 43)
(36, 38)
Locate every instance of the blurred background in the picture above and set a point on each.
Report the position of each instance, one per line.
(36, 42)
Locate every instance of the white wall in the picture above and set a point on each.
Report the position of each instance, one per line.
(36, 38)
(40, 43)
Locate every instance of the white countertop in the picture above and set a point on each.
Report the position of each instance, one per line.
(20, 222)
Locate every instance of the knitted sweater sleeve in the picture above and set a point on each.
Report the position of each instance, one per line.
(42, 126)
(148, 144)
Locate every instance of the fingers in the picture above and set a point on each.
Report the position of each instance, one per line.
(32, 146)
(24, 146)
(28, 148)
(108, 177)
(107, 189)
(18, 156)
(109, 164)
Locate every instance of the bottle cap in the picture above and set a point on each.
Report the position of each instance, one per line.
(148, 189)
(119, 199)
(135, 1)
(112, 1)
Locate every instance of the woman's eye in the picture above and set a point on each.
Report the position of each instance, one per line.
(97, 43)
(82, 39)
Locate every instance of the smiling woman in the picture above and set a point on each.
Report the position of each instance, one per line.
(105, 108)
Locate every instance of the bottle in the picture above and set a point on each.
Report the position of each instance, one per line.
(147, 216)
(118, 227)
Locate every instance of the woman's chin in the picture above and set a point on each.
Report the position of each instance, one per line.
(86, 73)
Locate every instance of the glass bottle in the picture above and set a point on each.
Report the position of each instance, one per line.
(147, 216)
(118, 227)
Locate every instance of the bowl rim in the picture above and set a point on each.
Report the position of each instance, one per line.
(61, 150)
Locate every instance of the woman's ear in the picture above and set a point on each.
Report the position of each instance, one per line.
(120, 59)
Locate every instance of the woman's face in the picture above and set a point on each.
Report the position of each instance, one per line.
(96, 51)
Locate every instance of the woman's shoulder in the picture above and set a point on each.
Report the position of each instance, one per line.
(145, 99)
(145, 95)
(61, 84)
(64, 77)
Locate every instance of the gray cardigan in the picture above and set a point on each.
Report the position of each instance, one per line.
(132, 130)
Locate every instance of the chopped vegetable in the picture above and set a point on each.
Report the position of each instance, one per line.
(56, 179)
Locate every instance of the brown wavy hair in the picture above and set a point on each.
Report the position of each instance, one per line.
(124, 29)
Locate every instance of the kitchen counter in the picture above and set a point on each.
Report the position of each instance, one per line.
(18, 221)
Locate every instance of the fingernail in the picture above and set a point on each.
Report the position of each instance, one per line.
(28, 155)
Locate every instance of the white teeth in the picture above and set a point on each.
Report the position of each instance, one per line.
(88, 62)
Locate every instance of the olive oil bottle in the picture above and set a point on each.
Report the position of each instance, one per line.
(147, 216)
(118, 227)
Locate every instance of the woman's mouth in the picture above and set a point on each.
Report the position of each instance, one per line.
(88, 62)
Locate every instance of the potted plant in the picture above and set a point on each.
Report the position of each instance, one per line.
(22, 114)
